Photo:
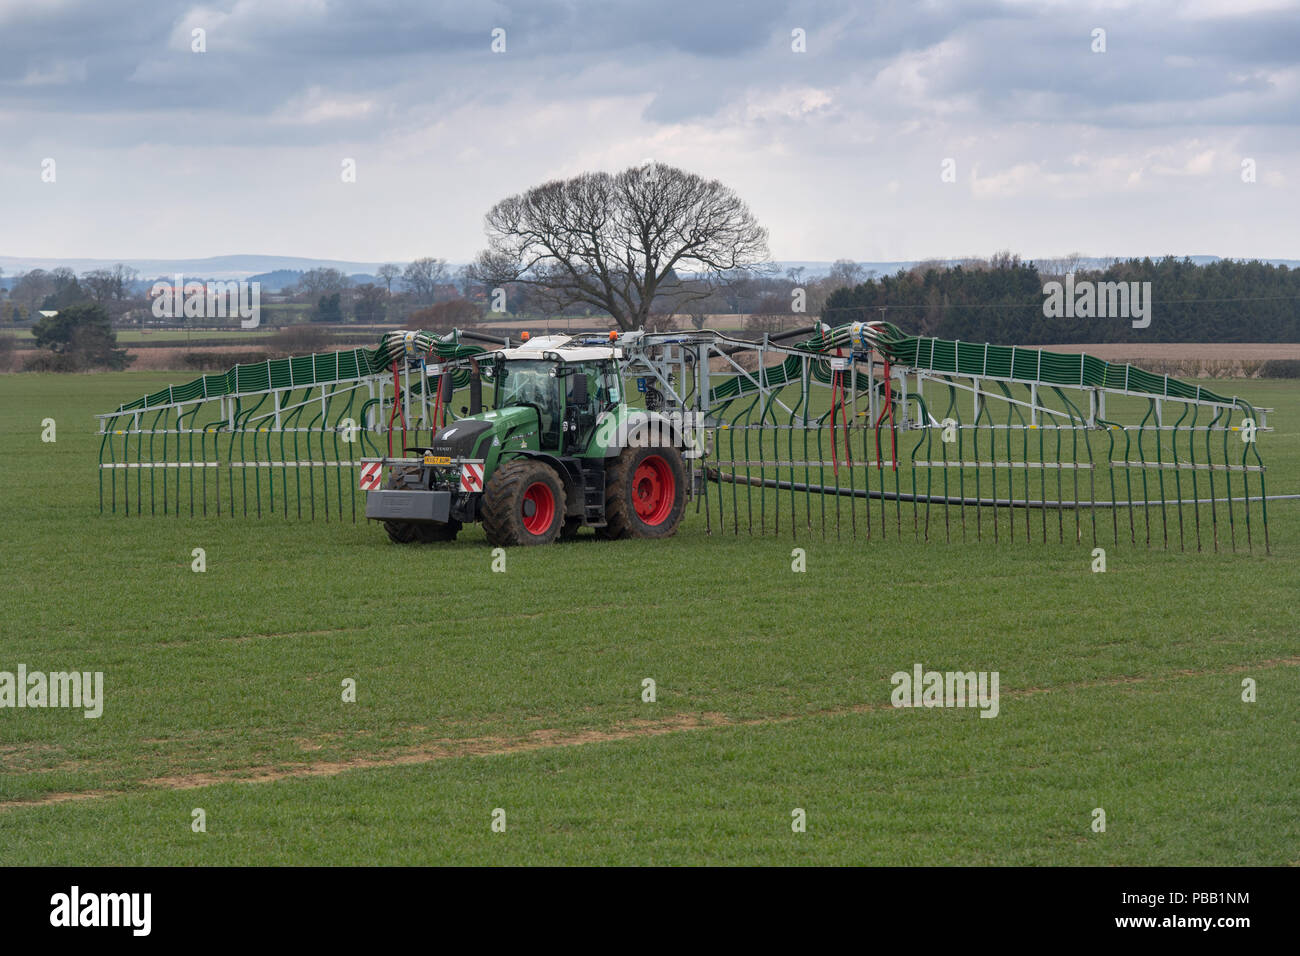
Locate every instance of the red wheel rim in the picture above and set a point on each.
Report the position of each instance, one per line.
(654, 489)
(538, 494)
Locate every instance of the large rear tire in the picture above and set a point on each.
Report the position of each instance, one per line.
(645, 493)
(523, 503)
(407, 532)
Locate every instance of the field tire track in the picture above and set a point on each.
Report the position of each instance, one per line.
(549, 739)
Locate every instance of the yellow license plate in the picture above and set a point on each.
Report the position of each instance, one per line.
(437, 460)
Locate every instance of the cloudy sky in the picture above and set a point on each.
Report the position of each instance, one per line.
(840, 149)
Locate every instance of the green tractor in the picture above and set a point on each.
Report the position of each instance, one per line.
(559, 451)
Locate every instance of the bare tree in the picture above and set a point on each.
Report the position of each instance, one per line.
(318, 282)
(424, 275)
(465, 281)
(123, 276)
(370, 305)
(387, 273)
(771, 315)
(453, 314)
(100, 283)
(699, 309)
(30, 290)
(845, 272)
(1061, 266)
(65, 282)
(617, 241)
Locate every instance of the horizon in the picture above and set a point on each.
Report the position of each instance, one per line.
(164, 268)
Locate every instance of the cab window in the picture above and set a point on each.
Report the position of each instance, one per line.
(528, 383)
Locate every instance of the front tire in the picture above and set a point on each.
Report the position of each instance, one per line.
(645, 493)
(523, 504)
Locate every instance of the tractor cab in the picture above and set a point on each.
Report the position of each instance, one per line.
(569, 388)
(531, 383)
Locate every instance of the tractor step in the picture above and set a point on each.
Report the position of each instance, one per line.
(593, 494)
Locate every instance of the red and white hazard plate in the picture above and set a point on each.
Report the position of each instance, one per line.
(471, 477)
(372, 475)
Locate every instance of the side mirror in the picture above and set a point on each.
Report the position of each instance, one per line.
(579, 394)
(447, 386)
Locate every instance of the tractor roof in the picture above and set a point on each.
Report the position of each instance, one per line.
(562, 347)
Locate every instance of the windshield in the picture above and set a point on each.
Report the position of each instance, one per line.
(528, 382)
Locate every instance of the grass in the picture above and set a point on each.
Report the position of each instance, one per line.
(478, 690)
(197, 336)
(127, 337)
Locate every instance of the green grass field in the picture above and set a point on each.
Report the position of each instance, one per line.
(522, 690)
(128, 337)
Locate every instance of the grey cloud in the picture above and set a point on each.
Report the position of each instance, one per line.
(411, 84)
(692, 58)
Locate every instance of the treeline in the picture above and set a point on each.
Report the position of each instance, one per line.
(1002, 301)
(423, 294)
(25, 295)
